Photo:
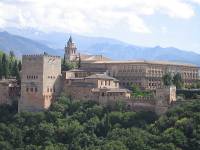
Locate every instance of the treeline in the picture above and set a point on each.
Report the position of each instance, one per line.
(9, 66)
(72, 125)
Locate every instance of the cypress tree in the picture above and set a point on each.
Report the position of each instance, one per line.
(20, 65)
(11, 61)
(1, 69)
(11, 55)
(16, 71)
(79, 61)
(5, 66)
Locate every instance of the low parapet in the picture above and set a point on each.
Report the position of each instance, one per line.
(167, 87)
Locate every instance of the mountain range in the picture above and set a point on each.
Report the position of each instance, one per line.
(33, 41)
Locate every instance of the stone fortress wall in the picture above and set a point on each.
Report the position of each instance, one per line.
(9, 91)
(96, 89)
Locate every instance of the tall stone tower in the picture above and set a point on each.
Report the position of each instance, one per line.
(40, 82)
(71, 54)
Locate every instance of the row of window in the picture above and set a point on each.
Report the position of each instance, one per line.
(51, 77)
(129, 84)
(32, 77)
(109, 94)
(155, 71)
(154, 84)
(48, 96)
(13, 88)
(154, 80)
(136, 71)
(106, 82)
(36, 77)
(31, 89)
(129, 78)
(51, 90)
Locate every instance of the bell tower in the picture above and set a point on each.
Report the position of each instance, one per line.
(71, 54)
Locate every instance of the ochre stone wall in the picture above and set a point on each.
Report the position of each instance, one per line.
(40, 82)
(9, 91)
(4, 94)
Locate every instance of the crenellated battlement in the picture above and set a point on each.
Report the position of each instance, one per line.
(39, 55)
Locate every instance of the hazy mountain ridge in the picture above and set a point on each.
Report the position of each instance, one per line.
(21, 45)
(54, 43)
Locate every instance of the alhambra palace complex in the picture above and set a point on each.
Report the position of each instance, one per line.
(98, 78)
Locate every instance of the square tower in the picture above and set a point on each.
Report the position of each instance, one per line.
(40, 82)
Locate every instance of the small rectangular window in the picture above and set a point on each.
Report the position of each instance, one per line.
(54, 90)
(27, 89)
(35, 89)
(31, 89)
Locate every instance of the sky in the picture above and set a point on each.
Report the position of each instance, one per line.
(140, 22)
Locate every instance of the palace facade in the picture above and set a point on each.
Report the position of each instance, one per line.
(145, 74)
(98, 79)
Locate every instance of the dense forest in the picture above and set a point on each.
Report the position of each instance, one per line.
(70, 125)
(10, 66)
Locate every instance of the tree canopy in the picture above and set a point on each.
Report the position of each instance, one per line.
(176, 80)
(70, 125)
(168, 79)
(10, 66)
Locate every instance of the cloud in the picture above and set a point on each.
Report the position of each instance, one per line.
(194, 1)
(87, 16)
(164, 29)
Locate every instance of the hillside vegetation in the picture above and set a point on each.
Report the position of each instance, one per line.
(88, 126)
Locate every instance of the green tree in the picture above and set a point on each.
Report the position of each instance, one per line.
(1, 68)
(167, 79)
(175, 136)
(178, 81)
(114, 145)
(67, 66)
(15, 71)
(5, 145)
(11, 55)
(136, 91)
(5, 66)
(20, 65)
(79, 61)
